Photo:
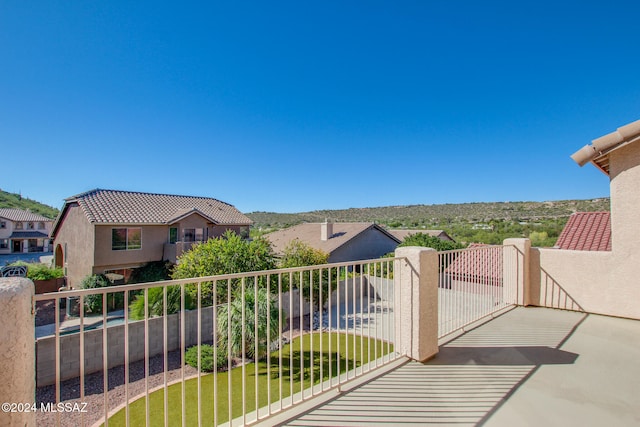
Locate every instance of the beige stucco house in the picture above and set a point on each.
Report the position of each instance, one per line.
(23, 231)
(343, 241)
(111, 231)
(604, 281)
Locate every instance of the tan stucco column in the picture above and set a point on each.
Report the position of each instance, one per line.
(416, 296)
(17, 349)
(516, 265)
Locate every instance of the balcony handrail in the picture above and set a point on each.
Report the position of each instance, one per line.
(202, 279)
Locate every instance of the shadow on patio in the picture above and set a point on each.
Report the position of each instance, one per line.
(527, 367)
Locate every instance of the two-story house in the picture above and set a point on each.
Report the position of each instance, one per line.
(111, 231)
(23, 231)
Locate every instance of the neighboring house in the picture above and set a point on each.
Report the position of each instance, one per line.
(111, 231)
(403, 234)
(343, 241)
(23, 231)
(586, 231)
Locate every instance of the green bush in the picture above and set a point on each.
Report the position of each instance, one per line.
(206, 358)
(154, 271)
(39, 271)
(93, 303)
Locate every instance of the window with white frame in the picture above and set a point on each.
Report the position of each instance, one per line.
(19, 226)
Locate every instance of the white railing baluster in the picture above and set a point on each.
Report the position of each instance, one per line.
(356, 316)
(105, 364)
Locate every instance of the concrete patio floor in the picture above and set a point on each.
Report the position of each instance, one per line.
(527, 367)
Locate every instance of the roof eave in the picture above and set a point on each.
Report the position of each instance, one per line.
(598, 151)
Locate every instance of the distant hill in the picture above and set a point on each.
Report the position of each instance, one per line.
(419, 216)
(16, 201)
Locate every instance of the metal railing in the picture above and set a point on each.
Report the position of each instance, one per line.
(277, 338)
(474, 283)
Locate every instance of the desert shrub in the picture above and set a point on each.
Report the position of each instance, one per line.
(206, 358)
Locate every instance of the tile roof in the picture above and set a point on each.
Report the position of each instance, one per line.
(478, 262)
(599, 149)
(21, 216)
(586, 231)
(126, 207)
(309, 233)
(28, 235)
(403, 234)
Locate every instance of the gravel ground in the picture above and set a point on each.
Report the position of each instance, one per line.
(94, 386)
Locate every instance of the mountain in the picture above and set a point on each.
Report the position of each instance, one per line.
(419, 216)
(16, 201)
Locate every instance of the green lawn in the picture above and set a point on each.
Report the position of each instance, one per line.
(219, 402)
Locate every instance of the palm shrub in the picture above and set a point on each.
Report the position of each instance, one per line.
(262, 309)
(156, 302)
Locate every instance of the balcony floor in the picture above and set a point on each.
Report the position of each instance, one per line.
(528, 367)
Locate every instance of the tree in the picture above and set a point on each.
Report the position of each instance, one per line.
(223, 255)
(421, 239)
(230, 326)
(300, 254)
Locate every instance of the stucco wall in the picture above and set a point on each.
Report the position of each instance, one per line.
(70, 345)
(76, 237)
(625, 201)
(599, 282)
(153, 239)
(370, 244)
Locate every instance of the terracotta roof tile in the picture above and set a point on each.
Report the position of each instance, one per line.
(20, 215)
(125, 207)
(309, 233)
(403, 234)
(586, 231)
(477, 262)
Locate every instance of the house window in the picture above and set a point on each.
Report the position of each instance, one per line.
(193, 234)
(31, 226)
(3, 224)
(4, 243)
(41, 226)
(126, 239)
(173, 235)
(19, 226)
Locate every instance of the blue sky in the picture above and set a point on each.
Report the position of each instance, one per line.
(297, 106)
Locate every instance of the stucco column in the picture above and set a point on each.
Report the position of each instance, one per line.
(17, 349)
(416, 296)
(516, 267)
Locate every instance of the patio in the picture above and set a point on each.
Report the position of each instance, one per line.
(529, 366)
